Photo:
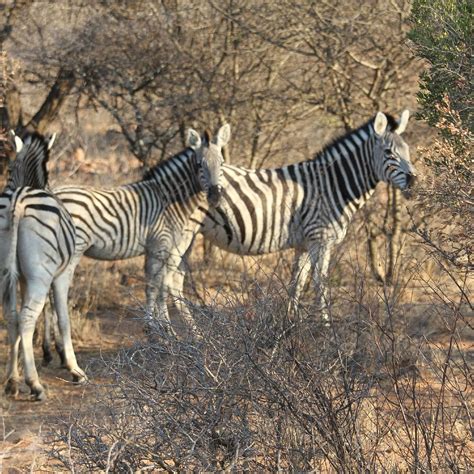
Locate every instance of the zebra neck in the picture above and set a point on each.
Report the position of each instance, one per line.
(175, 178)
(345, 170)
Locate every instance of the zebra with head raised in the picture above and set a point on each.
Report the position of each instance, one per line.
(150, 217)
(309, 205)
(37, 242)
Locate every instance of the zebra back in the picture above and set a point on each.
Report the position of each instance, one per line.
(29, 167)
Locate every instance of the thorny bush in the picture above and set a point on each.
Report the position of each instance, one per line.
(386, 386)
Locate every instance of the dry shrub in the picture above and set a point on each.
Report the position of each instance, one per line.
(386, 387)
(445, 195)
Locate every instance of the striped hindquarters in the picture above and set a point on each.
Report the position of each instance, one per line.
(43, 237)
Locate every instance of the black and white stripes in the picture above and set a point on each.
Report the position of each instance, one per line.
(308, 205)
(150, 217)
(37, 243)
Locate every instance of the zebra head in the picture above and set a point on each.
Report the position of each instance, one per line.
(391, 153)
(209, 158)
(28, 167)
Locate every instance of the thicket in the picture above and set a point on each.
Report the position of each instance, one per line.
(442, 34)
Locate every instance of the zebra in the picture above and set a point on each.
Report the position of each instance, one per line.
(149, 217)
(37, 242)
(308, 205)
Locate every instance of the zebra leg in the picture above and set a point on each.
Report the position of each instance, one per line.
(53, 326)
(46, 346)
(320, 255)
(156, 291)
(60, 292)
(32, 305)
(299, 274)
(11, 315)
(174, 280)
(51, 332)
(54, 319)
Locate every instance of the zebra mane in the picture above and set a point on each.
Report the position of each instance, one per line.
(30, 165)
(154, 172)
(325, 158)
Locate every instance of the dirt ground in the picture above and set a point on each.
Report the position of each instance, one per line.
(23, 422)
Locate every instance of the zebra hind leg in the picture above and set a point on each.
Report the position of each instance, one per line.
(46, 345)
(9, 297)
(52, 333)
(32, 305)
(13, 374)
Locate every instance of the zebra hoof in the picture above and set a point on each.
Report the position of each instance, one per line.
(38, 396)
(12, 388)
(38, 393)
(79, 378)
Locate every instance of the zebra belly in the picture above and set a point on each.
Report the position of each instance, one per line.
(224, 235)
(112, 252)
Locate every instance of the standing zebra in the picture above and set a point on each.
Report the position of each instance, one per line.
(37, 241)
(309, 205)
(150, 217)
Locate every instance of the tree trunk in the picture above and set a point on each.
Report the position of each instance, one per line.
(53, 102)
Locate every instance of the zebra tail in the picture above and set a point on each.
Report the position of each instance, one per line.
(11, 273)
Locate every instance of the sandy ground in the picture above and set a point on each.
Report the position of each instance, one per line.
(23, 422)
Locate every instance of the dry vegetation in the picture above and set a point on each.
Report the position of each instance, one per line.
(388, 386)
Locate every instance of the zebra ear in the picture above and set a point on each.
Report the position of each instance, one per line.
(402, 123)
(223, 135)
(18, 142)
(51, 141)
(193, 139)
(380, 123)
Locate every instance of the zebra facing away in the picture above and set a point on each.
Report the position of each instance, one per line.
(37, 240)
(309, 205)
(150, 217)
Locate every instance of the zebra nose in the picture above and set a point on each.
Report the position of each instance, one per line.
(411, 178)
(214, 195)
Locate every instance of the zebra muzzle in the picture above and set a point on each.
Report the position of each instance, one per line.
(214, 195)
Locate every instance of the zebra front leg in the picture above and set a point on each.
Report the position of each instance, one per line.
(156, 292)
(51, 332)
(174, 280)
(320, 256)
(60, 292)
(51, 317)
(176, 284)
(299, 274)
